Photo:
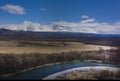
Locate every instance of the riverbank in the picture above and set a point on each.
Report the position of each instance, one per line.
(12, 64)
(29, 69)
(33, 68)
(37, 67)
(82, 70)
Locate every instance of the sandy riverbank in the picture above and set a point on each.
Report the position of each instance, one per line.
(82, 70)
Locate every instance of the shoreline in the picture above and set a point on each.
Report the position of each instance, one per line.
(26, 70)
(40, 66)
(32, 68)
(88, 69)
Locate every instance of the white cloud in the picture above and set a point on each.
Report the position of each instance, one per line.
(27, 26)
(13, 9)
(88, 20)
(84, 26)
(84, 16)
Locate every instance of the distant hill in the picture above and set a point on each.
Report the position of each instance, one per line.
(104, 39)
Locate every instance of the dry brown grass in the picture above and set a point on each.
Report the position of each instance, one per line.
(100, 75)
(27, 47)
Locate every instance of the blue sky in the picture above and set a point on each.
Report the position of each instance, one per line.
(94, 14)
(66, 10)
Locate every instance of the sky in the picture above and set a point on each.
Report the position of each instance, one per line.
(87, 16)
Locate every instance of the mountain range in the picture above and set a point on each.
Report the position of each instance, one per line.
(104, 39)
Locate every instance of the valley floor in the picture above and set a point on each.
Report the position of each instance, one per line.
(18, 55)
(27, 47)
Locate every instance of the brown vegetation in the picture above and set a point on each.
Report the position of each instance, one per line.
(15, 62)
(27, 47)
(19, 55)
(101, 75)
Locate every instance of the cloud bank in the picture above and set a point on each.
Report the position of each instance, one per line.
(89, 25)
(13, 9)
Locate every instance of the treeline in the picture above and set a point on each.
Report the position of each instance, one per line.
(10, 63)
(115, 56)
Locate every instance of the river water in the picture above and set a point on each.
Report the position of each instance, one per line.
(38, 74)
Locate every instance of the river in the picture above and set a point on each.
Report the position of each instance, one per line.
(40, 73)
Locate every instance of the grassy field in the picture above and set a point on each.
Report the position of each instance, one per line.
(19, 55)
(27, 47)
